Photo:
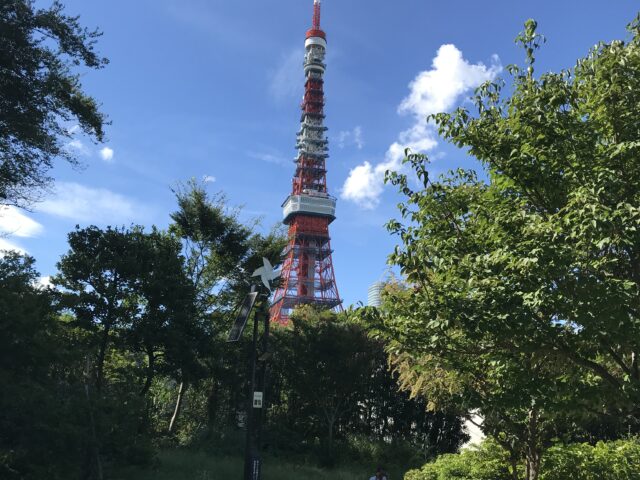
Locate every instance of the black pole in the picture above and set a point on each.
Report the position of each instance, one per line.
(263, 376)
(251, 460)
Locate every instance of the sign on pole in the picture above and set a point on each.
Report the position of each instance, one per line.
(242, 317)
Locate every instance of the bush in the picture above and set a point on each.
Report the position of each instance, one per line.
(486, 462)
(619, 460)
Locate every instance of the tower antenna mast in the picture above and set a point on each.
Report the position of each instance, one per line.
(316, 14)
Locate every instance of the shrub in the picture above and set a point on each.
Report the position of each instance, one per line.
(486, 462)
(618, 460)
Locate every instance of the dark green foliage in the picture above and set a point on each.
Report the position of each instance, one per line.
(129, 290)
(185, 464)
(104, 377)
(41, 418)
(332, 383)
(220, 255)
(40, 94)
(130, 298)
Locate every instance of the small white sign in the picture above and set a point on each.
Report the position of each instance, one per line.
(257, 399)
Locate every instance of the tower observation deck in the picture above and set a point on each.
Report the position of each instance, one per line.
(307, 269)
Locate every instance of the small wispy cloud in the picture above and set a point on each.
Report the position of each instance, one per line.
(208, 178)
(107, 154)
(98, 205)
(435, 90)
(286, 80)
(78, 147)
(270, 157)
(352, 137)
(208, 18)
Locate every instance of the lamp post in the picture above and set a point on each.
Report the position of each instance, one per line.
(256, 404)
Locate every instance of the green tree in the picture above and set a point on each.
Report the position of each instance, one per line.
(214, 241)
(40, 94)
(42, 416)
(330, 381)
(327, 362)
(525, 287)
(221, 253)
(128, 291)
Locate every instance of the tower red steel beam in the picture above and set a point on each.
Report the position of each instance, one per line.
(307, 271)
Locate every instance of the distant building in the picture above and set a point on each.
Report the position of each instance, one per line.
(473, 430)
(374, 296)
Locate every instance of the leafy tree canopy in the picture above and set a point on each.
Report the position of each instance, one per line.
(40, 94)
(525, 287)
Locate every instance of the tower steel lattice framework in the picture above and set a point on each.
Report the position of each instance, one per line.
(307, 269)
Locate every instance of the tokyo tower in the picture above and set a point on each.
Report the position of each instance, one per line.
(307, 269)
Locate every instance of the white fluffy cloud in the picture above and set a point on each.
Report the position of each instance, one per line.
(106, 154)
(85, 204)
(10, 246)
(14, 222)
(362, 185)
(44, 282)
(436, 90)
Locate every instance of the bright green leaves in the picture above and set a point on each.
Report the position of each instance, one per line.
(525, 290)
(530, 41)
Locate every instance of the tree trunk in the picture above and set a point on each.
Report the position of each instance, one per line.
(101, 356)
(533, 463)
(92, 451)
(514, 468)
(150, 372)
(212, 406)
(534, 453)
(331, 423)
(181, 391)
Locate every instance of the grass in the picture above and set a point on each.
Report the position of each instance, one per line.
(193, 465)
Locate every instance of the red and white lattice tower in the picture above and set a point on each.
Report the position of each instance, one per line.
(307, 269)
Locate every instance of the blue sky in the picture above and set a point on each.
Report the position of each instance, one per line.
(211, 89)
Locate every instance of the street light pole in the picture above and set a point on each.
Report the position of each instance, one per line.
(256, 405)
(252, 461)
(257, 394)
